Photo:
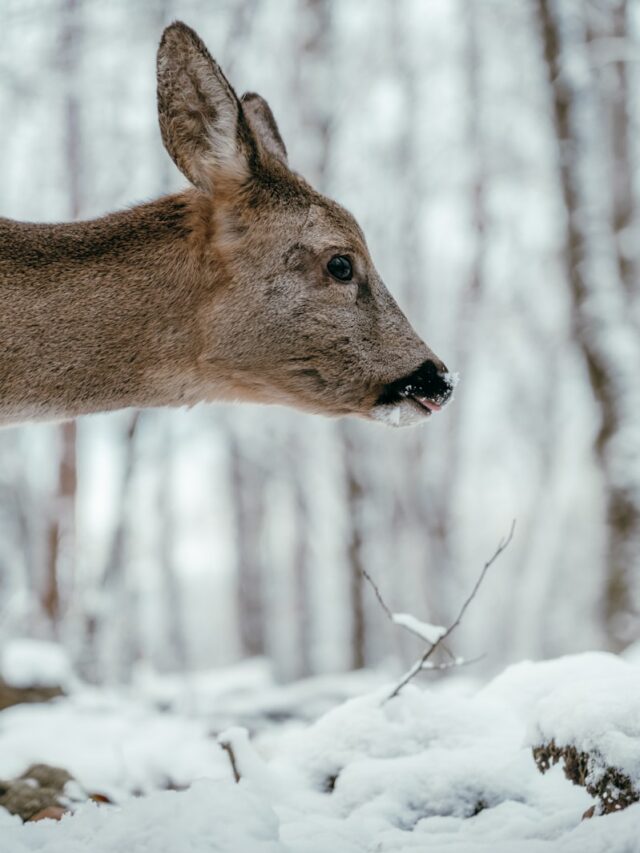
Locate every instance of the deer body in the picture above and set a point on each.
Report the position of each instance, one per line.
(250, 285)
(97, 315)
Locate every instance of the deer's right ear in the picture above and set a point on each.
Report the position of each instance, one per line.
(198, 111)
(260, 119)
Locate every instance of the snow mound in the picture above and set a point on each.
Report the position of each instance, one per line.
(111, 745)
(34, 663)
(448, 769)
(603, 721)
(589, 701)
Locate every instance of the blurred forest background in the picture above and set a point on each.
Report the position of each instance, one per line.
(490, 150)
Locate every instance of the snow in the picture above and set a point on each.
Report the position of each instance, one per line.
(427, 632)
(209, 818)
(604, 722)
(445, 766)
(113, 746)
(453, 379)
(34, 663)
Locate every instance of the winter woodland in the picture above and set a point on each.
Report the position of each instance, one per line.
(490, 149)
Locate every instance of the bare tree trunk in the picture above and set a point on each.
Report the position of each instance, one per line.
(115, 579)
(603, 324)
(613, 80)
(176, 656)
(315, 53)
(301, 568)
(441, 515)
(70, 44)
(473, 293)
(315, 56)
(61, 528)
(355, 540)
(247, 490)
(100, 630)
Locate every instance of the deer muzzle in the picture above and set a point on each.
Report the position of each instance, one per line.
(426, 391)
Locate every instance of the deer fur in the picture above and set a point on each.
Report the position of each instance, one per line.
(220, 292)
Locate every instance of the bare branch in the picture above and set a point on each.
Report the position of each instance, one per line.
(456, 663)
(501, 547)
(378, 594)
(419, 665)
(393, 616)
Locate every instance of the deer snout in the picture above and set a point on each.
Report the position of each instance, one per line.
(430, 386)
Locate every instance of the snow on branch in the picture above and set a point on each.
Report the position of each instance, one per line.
(435, 635)
(424, 630)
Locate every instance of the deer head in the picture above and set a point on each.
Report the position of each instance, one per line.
(293, 311)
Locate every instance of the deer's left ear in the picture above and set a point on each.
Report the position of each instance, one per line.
(200, 115)
(260, 119)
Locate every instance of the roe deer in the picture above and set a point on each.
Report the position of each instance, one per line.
(250, 285)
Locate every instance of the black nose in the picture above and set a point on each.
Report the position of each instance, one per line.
(430, 381)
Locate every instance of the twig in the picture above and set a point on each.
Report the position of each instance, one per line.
(228, 748)
(389, 613)
(419, 665)
(378, 594)
(456, 663)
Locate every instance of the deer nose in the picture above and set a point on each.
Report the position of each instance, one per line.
(431, 381)
(430, 384)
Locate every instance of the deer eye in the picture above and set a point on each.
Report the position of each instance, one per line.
(340, 268)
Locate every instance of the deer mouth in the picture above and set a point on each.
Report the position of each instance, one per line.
(412, 398)
(430, 406)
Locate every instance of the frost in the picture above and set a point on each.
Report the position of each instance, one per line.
(453, 379)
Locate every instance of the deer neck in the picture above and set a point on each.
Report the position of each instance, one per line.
(99, 315)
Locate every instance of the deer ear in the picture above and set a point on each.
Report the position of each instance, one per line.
(198, 110)
(260, 119)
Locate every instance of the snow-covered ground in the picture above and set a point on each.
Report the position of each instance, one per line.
(445, 766)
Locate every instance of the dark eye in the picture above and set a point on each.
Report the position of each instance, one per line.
(340, 268)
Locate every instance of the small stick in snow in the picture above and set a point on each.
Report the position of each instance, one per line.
(420, 664)
(228, 748)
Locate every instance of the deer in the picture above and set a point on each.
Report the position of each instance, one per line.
(247, 286)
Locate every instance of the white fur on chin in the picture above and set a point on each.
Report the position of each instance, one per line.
(399, 414)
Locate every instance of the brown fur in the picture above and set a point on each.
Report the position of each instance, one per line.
(219, 292)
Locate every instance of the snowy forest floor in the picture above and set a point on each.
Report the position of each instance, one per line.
(330, 765)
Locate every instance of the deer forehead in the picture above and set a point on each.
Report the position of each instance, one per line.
(318, 228)
(329, 225)
(279, 219)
